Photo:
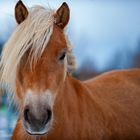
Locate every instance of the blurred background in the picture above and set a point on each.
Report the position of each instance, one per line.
(105, 35)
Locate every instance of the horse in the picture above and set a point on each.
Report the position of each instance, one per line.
(37, 62)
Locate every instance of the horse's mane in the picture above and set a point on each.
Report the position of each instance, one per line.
(34, 34)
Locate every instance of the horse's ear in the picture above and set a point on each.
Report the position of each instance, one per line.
(62, 16)
(21, 12)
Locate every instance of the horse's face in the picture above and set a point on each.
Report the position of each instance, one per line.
(37, 87)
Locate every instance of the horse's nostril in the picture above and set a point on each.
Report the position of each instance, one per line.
(26, 115)
(38, 119)
(48, 116)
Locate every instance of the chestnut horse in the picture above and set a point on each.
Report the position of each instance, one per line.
(36, 63)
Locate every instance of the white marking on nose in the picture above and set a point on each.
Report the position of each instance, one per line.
(37, 102)
(48, 97)
(45, 98)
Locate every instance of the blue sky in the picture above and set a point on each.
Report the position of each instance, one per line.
(98, 29)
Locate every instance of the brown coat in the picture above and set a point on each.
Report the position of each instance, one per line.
(104, 108)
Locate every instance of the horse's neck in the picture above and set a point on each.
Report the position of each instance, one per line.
(75, 104)
(73, 94)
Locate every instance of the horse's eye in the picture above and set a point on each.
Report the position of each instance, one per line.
(62, 56)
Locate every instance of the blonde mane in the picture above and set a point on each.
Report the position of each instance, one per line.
(33, 33)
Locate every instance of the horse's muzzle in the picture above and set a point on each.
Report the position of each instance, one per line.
(37, 122)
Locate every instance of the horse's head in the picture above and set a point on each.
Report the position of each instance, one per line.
(38, 52)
